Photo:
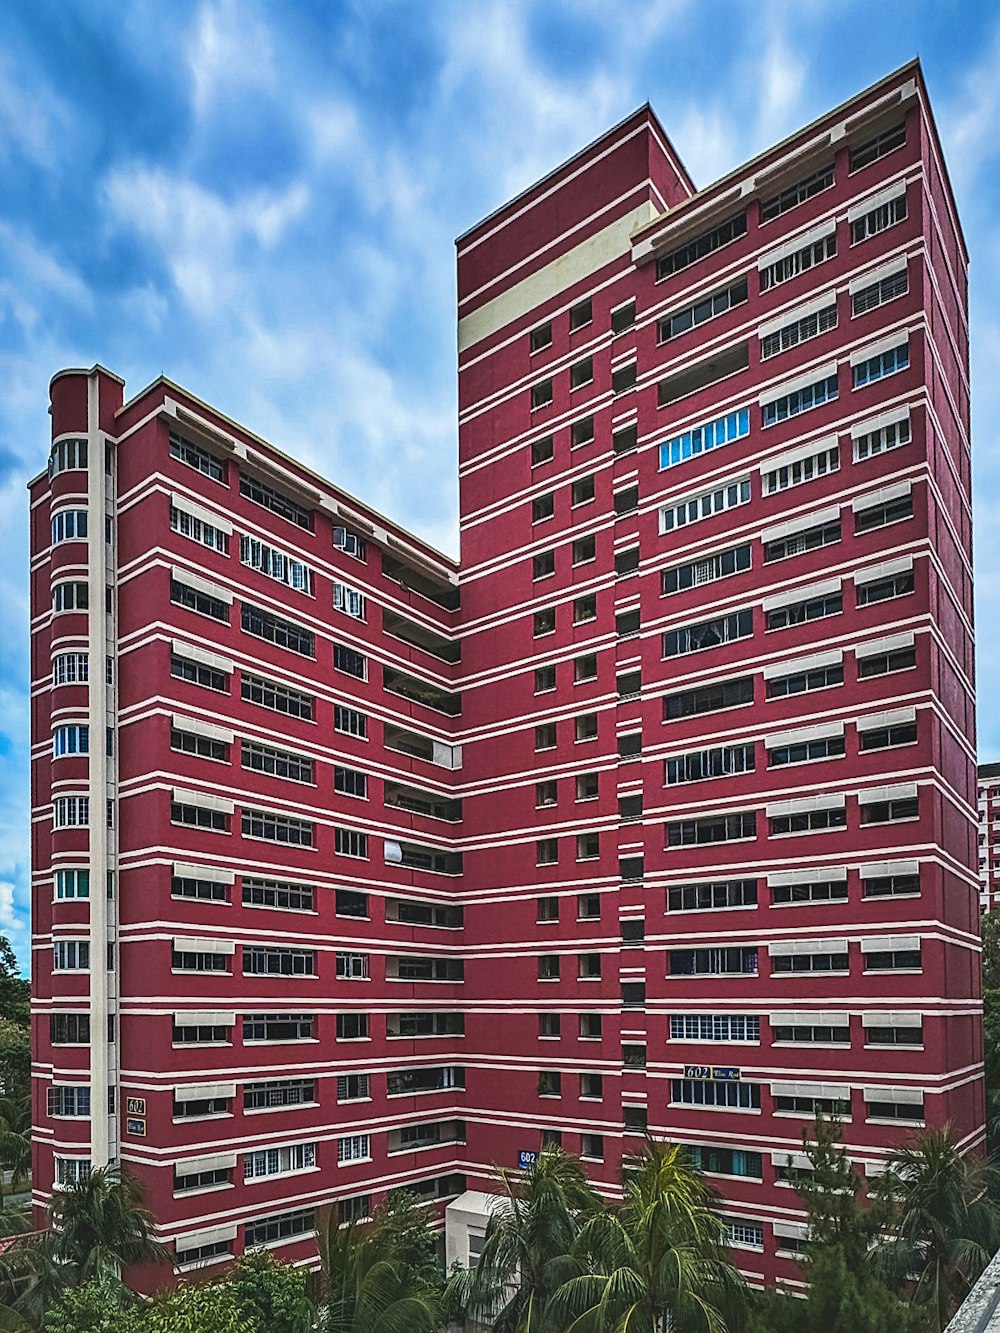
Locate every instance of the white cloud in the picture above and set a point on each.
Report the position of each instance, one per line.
(34, 120)
(230, 52)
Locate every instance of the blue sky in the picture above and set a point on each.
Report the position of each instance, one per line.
(259, 199)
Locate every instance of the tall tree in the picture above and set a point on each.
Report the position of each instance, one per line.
(15, 991)
(945, 1220)
(659, 1261)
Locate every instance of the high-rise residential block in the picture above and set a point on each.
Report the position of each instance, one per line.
(356, 867)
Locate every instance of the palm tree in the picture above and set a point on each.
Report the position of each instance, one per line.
(529, 1234)
(15, 1140)
(946, 1223)
(658, 1261)
(366, 1287)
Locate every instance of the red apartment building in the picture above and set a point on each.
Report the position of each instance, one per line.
(989, 835)
(355, 867)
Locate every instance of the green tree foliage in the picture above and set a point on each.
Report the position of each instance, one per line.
(945, 1220)
(658, 1261)
(530, 1233)
(15, 1060)
(989, 928)
(93, 1307)
(15, 991)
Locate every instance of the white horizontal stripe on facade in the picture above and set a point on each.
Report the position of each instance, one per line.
(193, 580)
(194, 1240)
(221, 1161)
(803, 593)
(191, 944)
(818, 732)
(803, 804)
(889, 943)
(184, 796)
(202, 656)
(806, 875)
(895, 191)
(199, 512)
(889, 270)
(888, 344)
(203, 1091)
(797, 243)
(786, 387)
(893, 717)
(800, 948)
(911, 1096)
(835, 1091)
(190, 870)
(891, 1018)
(899, 791)
(832, 657)
(209, 1018)
(894, 492)
(800, 312)
(801, 524)
(885, 570)
(199, 728)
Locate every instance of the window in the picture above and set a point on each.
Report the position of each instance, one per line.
(289, 897)
(279, 763)
(548, 967)
(581, 432)
(547, 909)
(726, 1161)
(892, 1030)
(708, 307)
(712, 895)
(623, 317)
(890, 811)
(69, 525)
(549, 1083)
(65, 1100)
(880, 664)
(349, 842)
(624, 378)
(70, 739)
(584, 550)
(353, 1087)
(720, 761)
(800, 682)
(272, 827)
(71, 1170)
(198, 673)
(275, 1093)
(873, 149)
(879, 1106)
(543, 622)
(801, 469)
(279, 1161)
(881, 438)
(799, 331)
(546, 793)
(352, 1027)
(707, 569)
(350, 662)
(541, 337)
(208, 890)
(350, 781)
(809, 891)
(895, 956)
(808, 821)
(542, 451)
(354, 1148)
(280, 698)
(580, 314)
(584, 609)
(810, 608)
(581, 373)
(806, 539)
(708, 698)
(283, 1226)
(800, 400)
(274, 564)
(195, 599)
(198, 960)
(588, 846)
(260, 961)
(588, 967)
(902, 884)
(546, 851)
(796, 194)
(710, 435)
(705, 244)
(69, 1029)
(583, 491)
(71, 812)
(800, 261)
(348, 600)
(836, 959)
(70, 669)
(67, 456)
(625, 440)
(591, 1087)
(548, 1026)
(188, 1105)
(542, 507)
(708, 633)
(705, 505)
(205, 747)
(545, 679)
(279, 1027)
(884, 589)
(186, 1179)
(543, 565)
(265, 625)
(736, 960)
(881, 365)
(545, 736)
(349, 721)
(70, 597)
(801, 752)
(282, 505)
(692, 1092)
(879, 292)
(195, 456)
(541, 394)
(715, 1027)
(72, 884)
(838, 1105)
(881, 514)
(349, 542)
(351, 903)
(585, 727)
(585, 668)
(352, 967)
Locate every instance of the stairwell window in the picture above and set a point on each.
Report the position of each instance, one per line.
(542, 451)
(541, 337)
(541, 395)
(71, 597)
(71, 812)
(581, 314)
(581, 373)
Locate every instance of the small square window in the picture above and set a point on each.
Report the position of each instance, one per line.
(581, 373)
(584, 609)
(546, 793)
(623, 378)
(585, 668)
(584, 550)
(627, 623)
(546, 851)
(623, 318)
(583, 491)
(549, 1083)
(626, 439)
(541, 394)
(590, 1027)
(545, 736)
(581, 432)
(580, 314)
(544, 621)
(548, 1026)
(626, 562)
(541, 337)
(627, 500)
(545, 679)
(588, 906)
(587, 785)
(543, 565)
(588, 846)
(548, 909)
(542, 507)
(592, 1147)
(548, 967)
(591, 1087)
(542, 451)
(585, 727)
(589, 967)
